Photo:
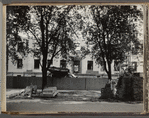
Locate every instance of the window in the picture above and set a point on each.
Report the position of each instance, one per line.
(90, 65)
(27, 43)
(19, 63)
(48, 62)
(20, 46)
(116, 66)
(76, 66)
(134, 65)
(134, 51)
(36, 63)
(102, 68)
(63, 63)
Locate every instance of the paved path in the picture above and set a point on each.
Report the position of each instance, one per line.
(42, 106)
(70, 101)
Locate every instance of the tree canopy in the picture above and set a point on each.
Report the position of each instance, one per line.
(111, 32)
(49, 29)
(16, 20)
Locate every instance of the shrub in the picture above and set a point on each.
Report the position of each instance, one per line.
(129, 88)
(106, 92)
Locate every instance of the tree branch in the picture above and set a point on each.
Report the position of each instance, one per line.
(72, 29)
(53, 57)
(103, 36)
(35, 37)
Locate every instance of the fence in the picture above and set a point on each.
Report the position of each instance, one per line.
(60, 83)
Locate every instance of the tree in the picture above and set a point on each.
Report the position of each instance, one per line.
(16, 20)
(111, 31)
(48, 28)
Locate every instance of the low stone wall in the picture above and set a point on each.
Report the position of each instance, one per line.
(60, 83)
(22, 82)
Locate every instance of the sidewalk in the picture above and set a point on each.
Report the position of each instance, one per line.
(69, 101)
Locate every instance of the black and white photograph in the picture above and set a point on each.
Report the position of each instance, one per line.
(74, 58)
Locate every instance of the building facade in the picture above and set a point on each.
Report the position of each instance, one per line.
(30, 66)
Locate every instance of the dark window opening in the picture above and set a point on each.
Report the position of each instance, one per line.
(19, 63)
(36, 63)
(20, 46)
(134, 65)
(76, 66)
(27, 43)
(63, 63)
(48, 62)
(90, 65)
(134, 51)
(102, 68)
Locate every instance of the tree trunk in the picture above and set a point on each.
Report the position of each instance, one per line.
(44, 52)
(44, 77)
(109, 72)
(44, 72)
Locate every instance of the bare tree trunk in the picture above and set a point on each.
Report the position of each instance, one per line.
(44, 52)
(44, 71)
(109, 72)
(44, 77)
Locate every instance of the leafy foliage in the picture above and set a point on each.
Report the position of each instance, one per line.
(17, 18)
(111, 32)
(47, 27)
